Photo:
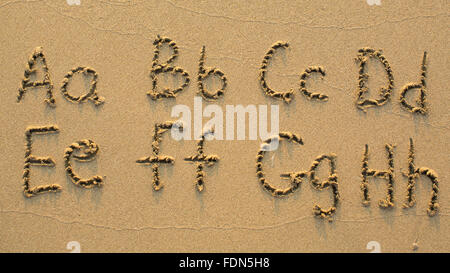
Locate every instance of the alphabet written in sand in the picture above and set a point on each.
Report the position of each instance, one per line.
(86, 149)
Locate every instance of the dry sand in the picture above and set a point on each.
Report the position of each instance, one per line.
(234, 212)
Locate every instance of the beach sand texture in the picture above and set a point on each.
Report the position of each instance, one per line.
(112, 42)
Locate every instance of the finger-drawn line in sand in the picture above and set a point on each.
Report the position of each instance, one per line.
(296, 178)
(159, 68)
(305, 75)
(156, 158)
(204, 73)
(363, 56)
(413, 174)
(421, 100)
(88, 150)
(31, 70)
(286, 96)
(39, 161)
(199, 159)
(91, 95)
(388, 175)
(331, 181)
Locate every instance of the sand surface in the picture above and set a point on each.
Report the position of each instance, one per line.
(234, 212)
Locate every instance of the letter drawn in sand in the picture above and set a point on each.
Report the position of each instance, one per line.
(159, 68)
(156, 158)
(285, 96)
(364, 54)
(305, 75)
(91, 95)
(296, 178)
(204, 73)
(40, 161)
(200, 159)
(87, 151)
(412, 175)
(388, 175)
(332, 181)
(421, 104)
(30, 70)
